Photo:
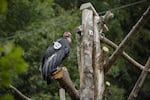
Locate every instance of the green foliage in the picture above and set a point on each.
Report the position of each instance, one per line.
(11, 62)
(3, 6)
(7, 97)
(116, 93)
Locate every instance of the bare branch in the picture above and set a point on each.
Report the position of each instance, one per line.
(124, 54)
(139, 82)
(135, 29)
(63, 77)
(21, 94)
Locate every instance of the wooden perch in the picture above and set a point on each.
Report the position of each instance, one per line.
(62, 76)
(139, 82)
(89, 6)
(135, 29)
(20, 94)
(98, 60)
(62, 94)
(99, 85)
(105, 19)
(86, 49)
(106, 91)
(124, 54)
(108, 16)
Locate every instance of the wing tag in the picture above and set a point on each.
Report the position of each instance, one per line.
(57, 45)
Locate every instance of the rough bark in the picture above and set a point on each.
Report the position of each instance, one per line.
(63, 77)
(106, 91)
(98, 74)
(135, 29)
(79, 35)
(86, 69)
(139, 82)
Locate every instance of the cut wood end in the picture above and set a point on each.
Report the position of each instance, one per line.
(105, 49)
(89, 6)
(105, 28)
(58, 73)
(107, 83)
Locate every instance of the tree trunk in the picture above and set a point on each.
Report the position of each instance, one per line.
(86, 69)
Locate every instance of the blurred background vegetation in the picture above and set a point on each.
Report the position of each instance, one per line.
(27, 27)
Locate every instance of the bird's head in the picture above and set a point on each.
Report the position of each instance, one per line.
(68, 36)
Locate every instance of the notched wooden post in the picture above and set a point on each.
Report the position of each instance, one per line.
(63, 77)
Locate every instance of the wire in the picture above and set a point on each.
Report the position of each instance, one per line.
(67, 22)
(124, 6)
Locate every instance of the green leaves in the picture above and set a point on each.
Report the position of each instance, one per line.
(7, 97)
(11, 62)
(3, 6)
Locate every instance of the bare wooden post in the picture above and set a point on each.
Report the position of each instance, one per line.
(86, 70)
(140, 81)
(135, 29)
(62, 94)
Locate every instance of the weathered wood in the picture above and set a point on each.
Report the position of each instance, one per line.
(20, 94)
(124, 54)
(139, 82)
(106, 91)
(108, 16)
(99, 85)
(63, 77)
(62, 94)
(89, 6)
(105, 19)
(86, 70)
(135, 29)
(79, 34)
(98, 76)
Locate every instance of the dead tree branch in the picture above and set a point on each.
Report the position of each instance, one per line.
(135, 29)
(139, 82)
(63, 77)
(124, 54)
(21, 94)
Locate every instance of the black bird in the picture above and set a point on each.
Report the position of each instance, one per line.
(54, 56)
